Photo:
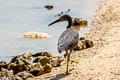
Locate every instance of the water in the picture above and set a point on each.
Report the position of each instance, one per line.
(19, 16)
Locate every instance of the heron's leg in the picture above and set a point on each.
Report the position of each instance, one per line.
(67, 62)
(68, 56)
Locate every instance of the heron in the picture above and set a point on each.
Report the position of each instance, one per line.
(68, 39)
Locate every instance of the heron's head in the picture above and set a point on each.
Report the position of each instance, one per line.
(62, 18)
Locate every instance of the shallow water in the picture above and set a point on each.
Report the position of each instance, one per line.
(19, 16)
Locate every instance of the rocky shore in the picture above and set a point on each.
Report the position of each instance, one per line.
(28, 65)
(102, 61)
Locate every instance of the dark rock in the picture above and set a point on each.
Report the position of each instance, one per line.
(55, 61)
(47, 68)
(49, 7)
(16, 67)
(89, 43)
(48, 54)
(23, 68)
(22, 59)
(79, 22)
(42, 59)
(82, 38)
(3, 64)
(6, 75)
(11, 66)
(13, 60)
(23, 75)
(19, 62)
(84, 44)
(36, 69)
(37, 54)
(28, 56)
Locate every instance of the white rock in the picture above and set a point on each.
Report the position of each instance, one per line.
(36, 35)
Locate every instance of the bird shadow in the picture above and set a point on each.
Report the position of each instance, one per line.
(59, 76)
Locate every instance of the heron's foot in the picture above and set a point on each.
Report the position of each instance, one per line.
(67, 72)
(73, 61)
(65, 55)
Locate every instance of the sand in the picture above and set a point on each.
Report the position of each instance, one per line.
(101, 62)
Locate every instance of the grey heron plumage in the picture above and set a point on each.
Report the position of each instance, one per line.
(68, 39)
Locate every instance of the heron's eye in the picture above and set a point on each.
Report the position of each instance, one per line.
(62, 19)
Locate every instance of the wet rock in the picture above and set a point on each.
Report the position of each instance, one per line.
(7, 75)
(28, 55)
(36, 69)
(42, 63)
(23, 75)
(22, 59)
(16, 67)
(55, 61)
(42, 59)
(84, 44)
(89, 43)
(19, 63)
(13, 60)
(49, 7)
(37, 54)
(35, 35)
(82, 38)
(79, 22)
(3, 64)
(47, 68)
(48, 54)
(22, 65)
(11, 66)
(65, 55)
(81, 46)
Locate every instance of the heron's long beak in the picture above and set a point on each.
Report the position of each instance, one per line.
(58, 20)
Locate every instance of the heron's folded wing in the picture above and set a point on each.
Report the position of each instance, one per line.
(68, 38)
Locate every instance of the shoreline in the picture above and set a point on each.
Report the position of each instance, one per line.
(101, 61)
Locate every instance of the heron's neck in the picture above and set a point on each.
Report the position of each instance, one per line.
(69, 23)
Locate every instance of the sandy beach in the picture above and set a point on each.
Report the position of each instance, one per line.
(102, 61)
